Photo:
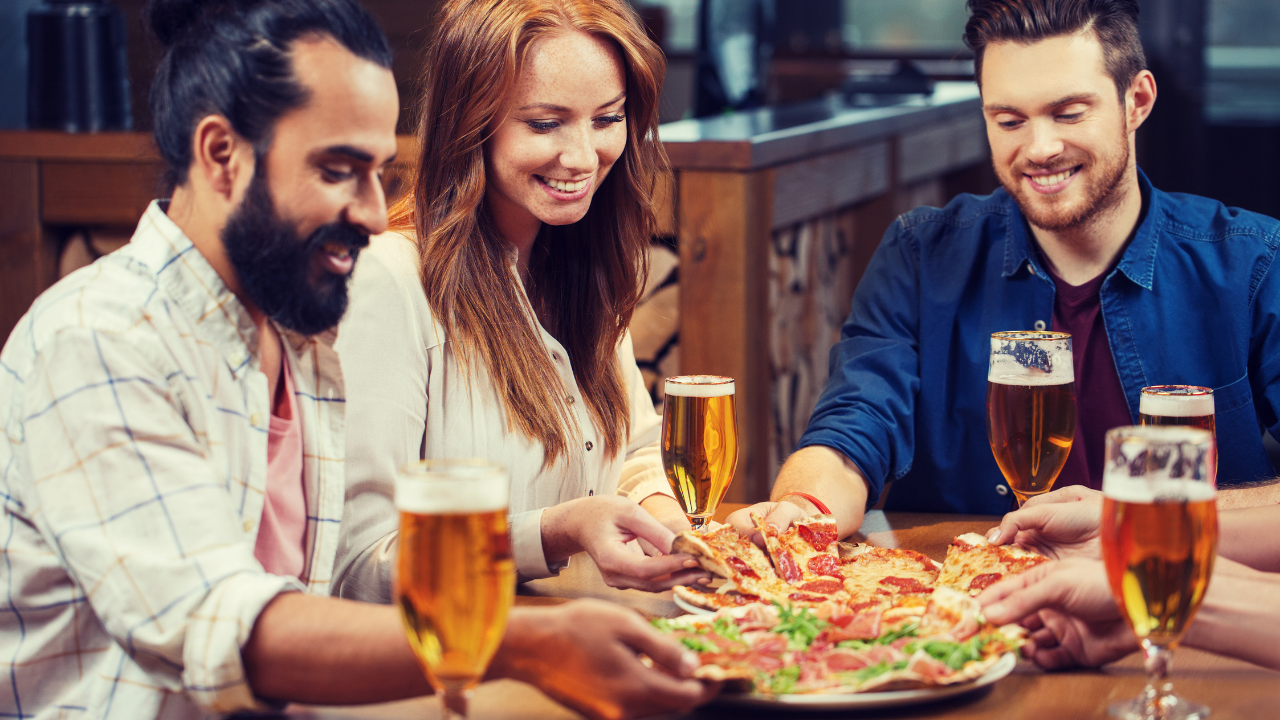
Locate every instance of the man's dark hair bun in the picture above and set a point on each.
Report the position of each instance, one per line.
(170, 19)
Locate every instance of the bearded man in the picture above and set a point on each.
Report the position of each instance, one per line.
(1155, 288)
(172, 471)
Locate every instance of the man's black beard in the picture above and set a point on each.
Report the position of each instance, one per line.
(279, 272)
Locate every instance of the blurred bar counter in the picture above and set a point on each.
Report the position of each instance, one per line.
(776, 213)
(765, 228)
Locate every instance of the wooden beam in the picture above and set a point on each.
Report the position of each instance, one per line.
(20, 241)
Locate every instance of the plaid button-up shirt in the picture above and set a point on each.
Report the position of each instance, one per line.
(133, 473)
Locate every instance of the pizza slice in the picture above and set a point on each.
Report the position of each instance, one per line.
(973, 564)
(724, 552)
(805, 556)
(875, 572)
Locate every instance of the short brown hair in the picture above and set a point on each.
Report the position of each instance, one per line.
(1115, 22)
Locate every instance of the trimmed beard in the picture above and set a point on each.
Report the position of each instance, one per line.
(1102, 192)
(279, 271)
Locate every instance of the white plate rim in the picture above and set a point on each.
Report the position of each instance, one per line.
(689, 607)
(869, 700)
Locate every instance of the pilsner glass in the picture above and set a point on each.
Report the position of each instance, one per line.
(699, 442)
(456, 579)
(1031, 408)
(1159, 541)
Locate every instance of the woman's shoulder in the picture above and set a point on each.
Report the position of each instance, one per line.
(387, 275)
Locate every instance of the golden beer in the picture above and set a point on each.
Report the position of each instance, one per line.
(456, 576)
(699, 442)
(1159, 540)
(1031, 408)
(1159, 556)
(1189, 405)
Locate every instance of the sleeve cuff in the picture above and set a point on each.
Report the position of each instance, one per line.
(652, 481)
(213, 670)
(526, 547)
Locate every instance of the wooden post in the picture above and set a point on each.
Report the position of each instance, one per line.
(23, 267)
(724, 228)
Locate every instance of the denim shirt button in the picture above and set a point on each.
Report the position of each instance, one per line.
(1040, 326)
(1002, 489)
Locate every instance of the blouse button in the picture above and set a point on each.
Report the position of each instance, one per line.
(555, 356)
(569, 399)
(589, 446)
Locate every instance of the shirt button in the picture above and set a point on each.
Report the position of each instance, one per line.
(248, 526)
(1040, 325)
(569, 399)
(1031, 268)
(1002, 489)
(256, 420)
(555, 356)
(589, 446)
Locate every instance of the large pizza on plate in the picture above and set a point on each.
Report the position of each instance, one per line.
(813, 615)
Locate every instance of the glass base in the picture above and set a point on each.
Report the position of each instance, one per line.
(1166, 707)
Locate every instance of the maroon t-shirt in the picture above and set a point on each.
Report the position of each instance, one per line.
(1100, 403)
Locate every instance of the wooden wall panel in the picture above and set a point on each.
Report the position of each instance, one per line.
(95, 193)
(724, 243)
(20, 241)
(823, 184)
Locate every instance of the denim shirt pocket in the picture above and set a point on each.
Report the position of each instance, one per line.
(1241, 457)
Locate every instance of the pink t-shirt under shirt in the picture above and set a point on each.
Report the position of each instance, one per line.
(1100, 403)
(283, 527)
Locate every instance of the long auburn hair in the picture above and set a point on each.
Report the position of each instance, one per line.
(584, 278)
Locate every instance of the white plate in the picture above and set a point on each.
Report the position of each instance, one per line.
(690, 608)
(868, 700)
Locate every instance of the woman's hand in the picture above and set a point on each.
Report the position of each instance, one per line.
(667, 511)
(587, 655)
(602, 526)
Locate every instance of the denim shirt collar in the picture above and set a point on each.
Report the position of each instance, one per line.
(1138, 261)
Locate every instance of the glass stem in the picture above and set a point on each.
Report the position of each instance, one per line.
(455, 703)
(697, 522)
(1159, 692)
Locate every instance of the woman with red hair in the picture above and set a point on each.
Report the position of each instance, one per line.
(491, 321)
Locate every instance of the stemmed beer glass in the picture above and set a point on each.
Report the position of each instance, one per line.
(1159, 541)
(699, 442)
(1031, 408)
(456, 579)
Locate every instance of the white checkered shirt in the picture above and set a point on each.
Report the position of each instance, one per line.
(133, 477)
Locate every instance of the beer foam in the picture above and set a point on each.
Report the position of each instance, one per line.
(445, 488)
(699, 386)
(1164, 405)
(1120, 486)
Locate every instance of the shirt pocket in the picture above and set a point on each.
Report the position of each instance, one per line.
(1241, 457)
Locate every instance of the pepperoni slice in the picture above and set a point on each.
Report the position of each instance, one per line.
(904, 585)
(824, 565)
(824, 585)
(787, 567)
(984, 581)
(819, 539)
(801, 597)
(742, 567)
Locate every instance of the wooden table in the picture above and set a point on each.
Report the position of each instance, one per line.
(1234, 689)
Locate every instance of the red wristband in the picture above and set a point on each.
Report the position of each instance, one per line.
(816, 502)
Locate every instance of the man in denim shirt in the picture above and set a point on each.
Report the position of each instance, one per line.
(1159, 288)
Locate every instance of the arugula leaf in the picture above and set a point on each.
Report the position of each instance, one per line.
(784, 681)
(798, 625)
(663, 624)
(698, 644)
(905, 630)
(880, 668)
(727, 629)
(855, 644)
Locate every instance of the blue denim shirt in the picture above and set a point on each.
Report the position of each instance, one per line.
(1191, 301)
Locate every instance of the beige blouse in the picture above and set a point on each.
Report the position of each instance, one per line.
(406, 398)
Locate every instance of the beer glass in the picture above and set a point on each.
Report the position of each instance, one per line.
(456, 579)
(1031, 408)
(1159, 541)
(699, 442)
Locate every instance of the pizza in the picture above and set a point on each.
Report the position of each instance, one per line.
(781, 649)
(973, 564)
(805, 556)
(721, 550)
(871, 572)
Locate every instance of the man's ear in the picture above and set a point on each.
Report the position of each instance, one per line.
(1140, 98)
(220, 156)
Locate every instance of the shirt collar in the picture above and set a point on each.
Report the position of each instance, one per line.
(1138, 260)
(195, 287)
